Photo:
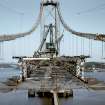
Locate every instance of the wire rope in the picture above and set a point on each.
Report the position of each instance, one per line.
(6, 37)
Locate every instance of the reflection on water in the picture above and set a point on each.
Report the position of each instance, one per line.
(81, 96)
(20, 98)
(85, 97)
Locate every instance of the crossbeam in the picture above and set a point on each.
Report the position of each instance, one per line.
(35, 59)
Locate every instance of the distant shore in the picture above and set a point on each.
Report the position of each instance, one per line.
(8, 65)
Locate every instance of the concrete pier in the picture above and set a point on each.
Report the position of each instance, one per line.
(44, 94)
(65, 93)
(51, 93)
(31, 93)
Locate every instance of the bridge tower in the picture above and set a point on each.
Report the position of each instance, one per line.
(50, 29)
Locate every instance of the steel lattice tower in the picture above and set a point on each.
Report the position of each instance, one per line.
(50, 29)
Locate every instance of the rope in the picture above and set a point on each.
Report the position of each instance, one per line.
(76, 45)
(10, 9)
(80, 34)
(81, 46)
(6, 37)
(9, 37)
(101, 6)
(102, 49)
(89, 47)
(72, 45)
(0, 51)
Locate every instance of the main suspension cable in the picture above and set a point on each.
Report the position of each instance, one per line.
(100, 37)
(6, 37)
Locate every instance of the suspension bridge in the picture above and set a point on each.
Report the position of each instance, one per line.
(46, 62)
(89, 36)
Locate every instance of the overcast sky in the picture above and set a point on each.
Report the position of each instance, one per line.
(81, 15)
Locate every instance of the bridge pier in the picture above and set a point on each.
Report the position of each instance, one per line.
(31, 93)
(51, 93)
(66, 93)
(24, 71)
(44, 94)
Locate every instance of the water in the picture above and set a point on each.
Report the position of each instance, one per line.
(85, 97)
(98, 75)
(6, 73)
(20, 98)
(81, 96)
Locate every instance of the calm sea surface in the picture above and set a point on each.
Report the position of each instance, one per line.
(81, 96)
